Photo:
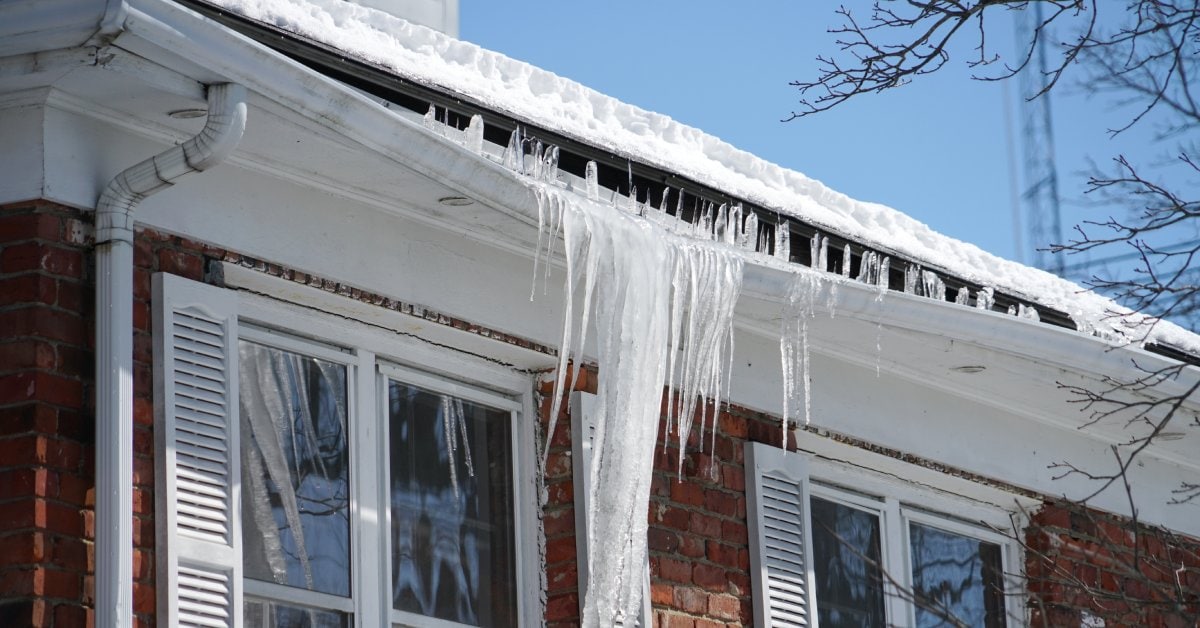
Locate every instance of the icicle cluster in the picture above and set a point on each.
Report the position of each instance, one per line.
(662, 309)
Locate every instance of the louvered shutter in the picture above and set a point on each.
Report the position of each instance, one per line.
(583, 427)
(777, 505)
(196, 456)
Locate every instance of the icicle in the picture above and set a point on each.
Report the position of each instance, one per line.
(814, 250)
(823, 255)
(932, 285)
(737, 232)
(474, 137)
(868, 268)
(723, 232)
(793, 349)
(911, 273)
(750, 236)
(454, 424)
(591, 176)
(550, 165)
(884, 275)
(963, 297)
(538, 163)
(985, 298)
(783, 240)
(661, 304)
(514, 154)
(430, 120)
(847, 261)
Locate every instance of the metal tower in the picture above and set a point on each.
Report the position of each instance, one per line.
(1040, 192)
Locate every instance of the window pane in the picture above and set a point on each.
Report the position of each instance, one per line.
(451, 508)
(957, 580)
(295, 470)
(264, 614)
(846, 559)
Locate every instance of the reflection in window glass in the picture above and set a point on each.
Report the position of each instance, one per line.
(451, 508)
(264, 614)
(846, 559)
(295, 470)
(957, 580)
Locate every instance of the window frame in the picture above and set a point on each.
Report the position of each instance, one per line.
(370, 353)
(261, 590)
(901, 493)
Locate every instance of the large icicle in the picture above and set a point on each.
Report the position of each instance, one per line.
(649, 296)
(793, 348)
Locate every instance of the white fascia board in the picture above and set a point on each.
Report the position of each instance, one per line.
(1066, 349)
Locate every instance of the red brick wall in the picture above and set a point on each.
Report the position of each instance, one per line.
(1080, 562)
(46, 427)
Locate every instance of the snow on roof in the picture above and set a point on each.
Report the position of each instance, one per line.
(526, 92)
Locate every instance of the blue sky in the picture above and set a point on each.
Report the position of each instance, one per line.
(935, 149)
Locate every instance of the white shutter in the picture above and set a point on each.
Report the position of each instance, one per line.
(583, 428)
(196, 454)
(777, 506)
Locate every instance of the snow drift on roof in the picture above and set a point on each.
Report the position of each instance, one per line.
(522, 91)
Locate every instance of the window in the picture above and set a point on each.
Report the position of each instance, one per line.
(321, 483)
(856, 548)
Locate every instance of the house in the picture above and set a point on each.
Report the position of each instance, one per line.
(270, 357)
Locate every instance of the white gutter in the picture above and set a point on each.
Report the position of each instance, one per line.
(114, 338)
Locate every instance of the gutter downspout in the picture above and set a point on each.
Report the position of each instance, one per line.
(114, 339)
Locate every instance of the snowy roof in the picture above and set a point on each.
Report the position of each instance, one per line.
(520, 90)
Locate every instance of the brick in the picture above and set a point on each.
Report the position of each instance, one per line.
(31, 226)
(67, 553)
(26, 353)
(560, 550)
(28, 288)
(660, 540)
(180, 263)
(725, 607)
(70, 615)
(710, 577)
(61, 584)
(143, 598)
(687, 493)
(675, 570)
(721, 554)
(705, 525)
(733, 425)
(35, 256)
(661, 594)
(562, 608)
(720, 502)
(692, 546)
(690, 600)
(560, 521)
(45, 323)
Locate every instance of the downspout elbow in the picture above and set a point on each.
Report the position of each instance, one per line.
(221, 134)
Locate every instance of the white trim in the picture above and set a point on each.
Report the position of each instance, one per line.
(271, 592)
(413, 340)
(442, 385)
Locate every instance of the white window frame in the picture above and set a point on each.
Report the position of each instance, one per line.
(900, 493)
(273, 315)
(489, 399)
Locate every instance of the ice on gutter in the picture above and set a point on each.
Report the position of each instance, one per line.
(525, 92)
